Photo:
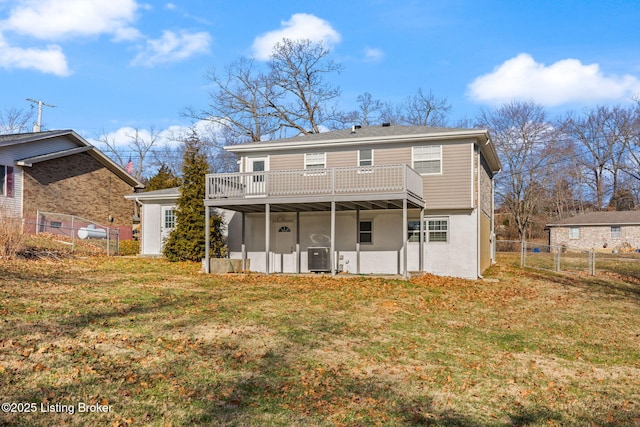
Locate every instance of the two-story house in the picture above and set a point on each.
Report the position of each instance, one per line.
(378, 199)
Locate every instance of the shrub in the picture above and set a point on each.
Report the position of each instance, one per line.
(129, 247)
(11, 236)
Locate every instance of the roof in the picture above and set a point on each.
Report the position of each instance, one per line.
(164, 194)
(601, 219)
(367, 135)
(83, 146)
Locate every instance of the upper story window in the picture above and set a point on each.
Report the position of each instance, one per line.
(315, 160)
(365, 157)
(427, 159)
(6, 181)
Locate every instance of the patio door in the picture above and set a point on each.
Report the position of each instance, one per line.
(256, 181)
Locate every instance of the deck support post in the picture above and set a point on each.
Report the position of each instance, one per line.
(333, 238)
(358, 240)
(244, 245)
(207, 239)
(421, 240)
(404, 238)
(267, 235)
(297, 241)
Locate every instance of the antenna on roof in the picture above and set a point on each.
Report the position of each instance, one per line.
(37, 126)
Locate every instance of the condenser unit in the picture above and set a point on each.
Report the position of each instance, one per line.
(319, 259)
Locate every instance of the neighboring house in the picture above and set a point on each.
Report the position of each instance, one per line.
(158, 218)
(597, 230)
(60, 172)
(378, 199)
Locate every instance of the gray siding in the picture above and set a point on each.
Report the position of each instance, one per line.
(453, 189)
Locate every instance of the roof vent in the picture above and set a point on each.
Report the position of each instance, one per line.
(355, 127)
(386, 125)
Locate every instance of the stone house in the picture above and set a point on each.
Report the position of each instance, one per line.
(603, 231)
(59, 171)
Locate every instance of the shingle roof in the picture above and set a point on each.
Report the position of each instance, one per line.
(601, 218)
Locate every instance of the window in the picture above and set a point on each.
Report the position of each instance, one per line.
(616, 232)
(315, 160)
(574, 233)
(365, 157)
(365, 231)
(438, 230)
(427, 159)
(413, 230)
(169, 218)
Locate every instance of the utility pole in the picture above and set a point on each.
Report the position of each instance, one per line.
(37, 127)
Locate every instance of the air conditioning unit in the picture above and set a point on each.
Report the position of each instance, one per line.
(318, 259)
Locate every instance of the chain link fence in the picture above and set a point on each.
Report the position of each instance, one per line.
(572, 260)
(75, 230)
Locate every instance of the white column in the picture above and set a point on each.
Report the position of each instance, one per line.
(421, 240)
(244, 246)
(404, 237)
(207, 238)
(267, 235)
(297, 241)
(358, 240)
(333, 238)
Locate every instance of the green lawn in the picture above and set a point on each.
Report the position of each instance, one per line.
(161, 344)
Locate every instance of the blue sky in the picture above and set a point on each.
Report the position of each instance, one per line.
(112, 65)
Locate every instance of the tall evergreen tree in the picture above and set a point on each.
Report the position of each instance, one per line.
(187, 241)
(165, 178)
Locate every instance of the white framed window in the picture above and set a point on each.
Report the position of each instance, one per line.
(616, 232)
(365, 157)
(365, 231)
(315, 160)
(169, 219)
(574, 233)
(437, 230)
(427, 159)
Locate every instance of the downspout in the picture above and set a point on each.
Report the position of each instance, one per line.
(478, 219)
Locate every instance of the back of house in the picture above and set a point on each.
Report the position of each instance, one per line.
(378, 199)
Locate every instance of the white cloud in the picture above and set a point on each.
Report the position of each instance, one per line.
(373, 54)
(300, 26)
(172, 47)
(50, 60)
(62, 19)
(565, 81)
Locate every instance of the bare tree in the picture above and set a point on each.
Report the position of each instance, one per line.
(426, 110)
(137, 149)
(239, 103)
(369, 109)
(15, 120)
(600, 137)
(525, 141)
(300, 97)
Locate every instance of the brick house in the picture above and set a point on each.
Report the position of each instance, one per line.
(59, 171)
(598, 230)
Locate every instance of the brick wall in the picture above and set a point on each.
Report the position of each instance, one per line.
(596, 237)
(78, 185)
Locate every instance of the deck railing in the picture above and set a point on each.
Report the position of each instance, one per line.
(302, 182)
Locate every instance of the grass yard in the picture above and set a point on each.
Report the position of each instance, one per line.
(160, 344)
